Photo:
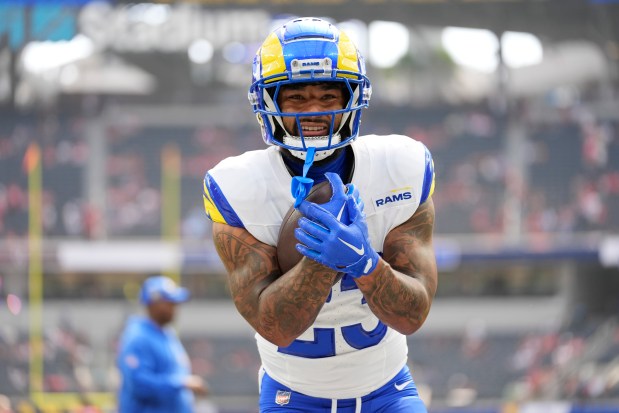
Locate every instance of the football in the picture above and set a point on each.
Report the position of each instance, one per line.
(287, 254)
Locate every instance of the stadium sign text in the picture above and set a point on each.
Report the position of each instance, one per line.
(156, 27)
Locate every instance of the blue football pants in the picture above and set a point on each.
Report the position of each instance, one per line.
(398, 396)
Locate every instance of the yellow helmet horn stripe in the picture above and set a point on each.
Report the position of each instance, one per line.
(347, 52)
(272, 57)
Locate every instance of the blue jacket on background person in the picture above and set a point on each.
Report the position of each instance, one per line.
(154, 366)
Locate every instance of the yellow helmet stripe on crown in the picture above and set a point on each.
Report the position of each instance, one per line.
(348, 58)
(272, 56)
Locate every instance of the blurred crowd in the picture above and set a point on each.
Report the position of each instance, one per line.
(575, 364)
(566, 180)
(74, 364)
(63, 156)
(578, 363)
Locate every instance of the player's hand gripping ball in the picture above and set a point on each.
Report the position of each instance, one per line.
(331, 195)
(343, 245)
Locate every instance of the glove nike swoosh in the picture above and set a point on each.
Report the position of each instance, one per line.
(368, 265)
(339, 214)
(358, 250)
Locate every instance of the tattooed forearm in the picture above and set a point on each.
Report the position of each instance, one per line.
(280, 307)
(396, 299)
(294, 300)
(401, 289)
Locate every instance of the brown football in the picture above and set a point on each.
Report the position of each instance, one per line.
(287, 254)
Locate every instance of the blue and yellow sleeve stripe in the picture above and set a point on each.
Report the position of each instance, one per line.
(216, 206)
(428, 178)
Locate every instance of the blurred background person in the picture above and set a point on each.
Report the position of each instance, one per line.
(155, 368)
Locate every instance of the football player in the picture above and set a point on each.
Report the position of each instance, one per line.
(326, 344)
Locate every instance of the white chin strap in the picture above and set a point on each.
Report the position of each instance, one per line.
(312, 141)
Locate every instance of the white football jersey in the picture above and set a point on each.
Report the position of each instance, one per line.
(348, 352)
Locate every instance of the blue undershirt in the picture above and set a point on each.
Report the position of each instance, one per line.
(340, 165)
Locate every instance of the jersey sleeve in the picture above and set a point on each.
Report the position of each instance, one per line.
(216, 206)
(428, 177)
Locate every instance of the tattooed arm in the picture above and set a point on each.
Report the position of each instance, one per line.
(401, 288)
(278, 306)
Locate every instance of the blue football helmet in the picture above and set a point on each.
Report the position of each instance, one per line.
(306, 50)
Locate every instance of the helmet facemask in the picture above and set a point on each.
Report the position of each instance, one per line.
(308, 50)
(325, 145)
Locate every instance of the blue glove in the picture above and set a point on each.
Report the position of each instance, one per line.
(337, 204)
(352, 190)
(326, 240)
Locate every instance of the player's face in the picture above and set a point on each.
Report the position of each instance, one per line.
(303, 98)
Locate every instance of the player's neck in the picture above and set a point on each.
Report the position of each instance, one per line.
(341, 162)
